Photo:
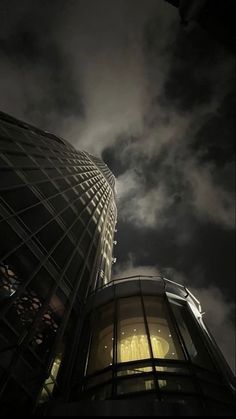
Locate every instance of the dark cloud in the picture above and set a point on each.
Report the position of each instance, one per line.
(114, 156)
(32, 53)
(122, 79)
(215, 140)
(188, 85)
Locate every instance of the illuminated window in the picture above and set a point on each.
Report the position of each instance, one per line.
(163, 338)
(132, 338)
(51, 380)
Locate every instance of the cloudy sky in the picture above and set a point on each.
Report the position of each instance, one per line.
(124, 80)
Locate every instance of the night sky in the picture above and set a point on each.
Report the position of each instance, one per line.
(124, 80)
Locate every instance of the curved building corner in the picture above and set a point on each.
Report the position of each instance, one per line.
(57, 222)
(144, 351)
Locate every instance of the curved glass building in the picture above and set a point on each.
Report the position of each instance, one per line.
(57, 221)
(145, 350)
(72, 341)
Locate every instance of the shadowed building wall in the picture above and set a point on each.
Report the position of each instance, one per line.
(57, 222)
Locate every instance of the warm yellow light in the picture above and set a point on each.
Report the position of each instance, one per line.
(160, 347)
(134, 348)
(50, 383)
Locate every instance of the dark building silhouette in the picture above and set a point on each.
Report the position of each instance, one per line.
(57, 221)
(73, 341)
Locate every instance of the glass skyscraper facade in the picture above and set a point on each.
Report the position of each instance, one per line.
(73, 341)
(57, 222)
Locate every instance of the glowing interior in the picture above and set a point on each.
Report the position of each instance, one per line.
(136, 347)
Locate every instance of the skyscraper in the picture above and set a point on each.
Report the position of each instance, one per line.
(57, 222)
(72, 340)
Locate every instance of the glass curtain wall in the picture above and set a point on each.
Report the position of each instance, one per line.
(146, 344)
(56, 208)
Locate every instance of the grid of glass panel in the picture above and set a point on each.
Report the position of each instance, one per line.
(57, 211)
(147, 344)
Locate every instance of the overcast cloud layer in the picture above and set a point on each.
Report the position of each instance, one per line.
(122, 79)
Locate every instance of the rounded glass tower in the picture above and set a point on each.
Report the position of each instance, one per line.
(144, 338)
(57, 222)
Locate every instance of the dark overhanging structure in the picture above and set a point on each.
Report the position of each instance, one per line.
(72, 340)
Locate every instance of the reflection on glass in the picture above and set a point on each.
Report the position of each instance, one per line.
(135, 385)
(133, 348)
(191, 336)
(99, 379)
(9, 281)
(51, 319)
(165, 344)
(102, 393)
(101, 351)
(134, 370)
(50, 381)
(176, 384)
(175, 369)
(131, 333)
(160, 347)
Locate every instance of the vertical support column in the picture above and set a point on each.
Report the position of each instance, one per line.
(149, 342)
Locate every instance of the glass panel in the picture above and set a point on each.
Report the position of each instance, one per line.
(8, 338)
(73, 269)
(9, 178)
(176, 384)
(9, 239)
(85, 216)
(35, 217)
(25, 307)
(47, 188)
(135, 385)
(41, 284)
(23, 262)
(62, 184)
(13, 393)
(50, 381)
(27, 376)
(134, 370)
(77, 229)
(45, 333)
(165, 344)
(7, 354)
(20, 160)
(34, 175)
(50, 235)
(19, 198)
(174, 369)
(99, 379)
(101, 351)
(68, 217)
(191, 336)
(58, 202)
(9, 281)
(101, 393)
(63, 252)
(132, 342)
(85, 242)
(78, 205)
